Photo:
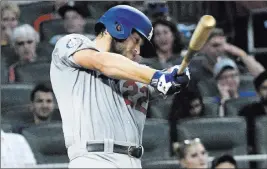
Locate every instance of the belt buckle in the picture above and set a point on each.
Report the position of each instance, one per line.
(139, 155)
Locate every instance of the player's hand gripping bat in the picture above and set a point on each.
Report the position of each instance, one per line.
(198, 39)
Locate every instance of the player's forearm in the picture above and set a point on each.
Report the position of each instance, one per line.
(120, 67)
(253, 66)
(114, 65)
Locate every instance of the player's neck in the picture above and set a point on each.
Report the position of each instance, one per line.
(103, 43)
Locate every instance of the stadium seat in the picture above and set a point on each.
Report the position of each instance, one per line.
(233, 106)
(219, 135)
(6, 127)
(36, 10)
(17, 113)
(15, 94)
(208, 88)
(211, 109)
(55, 27)
(8, 54)
(36, 72)
(45, 50)
(50, 28)
(47, 143)
(261, 139)
(156, 140)
(22, 114)
(160, 108)
(4, 71)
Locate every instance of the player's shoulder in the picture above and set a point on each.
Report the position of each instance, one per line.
(73, 39)
(76, 35)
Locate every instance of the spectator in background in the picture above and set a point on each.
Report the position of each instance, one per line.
(254, 110)
(217, 47)
(49, 16)
(227, 78)
(24, 41)
(16, 151)
(157, 10)
(74, 15)
(224, 161)
(187, 104)
(43, 104)
(191, 154)
(42, 107)
(168, 45)
(10, 14)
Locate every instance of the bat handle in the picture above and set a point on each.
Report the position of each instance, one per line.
(187, 58)
(182, 67)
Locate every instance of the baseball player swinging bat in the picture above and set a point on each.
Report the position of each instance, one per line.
(199, 38)
(102, 93)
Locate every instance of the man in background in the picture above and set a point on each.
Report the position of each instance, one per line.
(254, 110)
(42, 107)
(74, 16)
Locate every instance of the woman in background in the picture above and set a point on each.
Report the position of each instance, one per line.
(168, 44)
(191, 154)
(10, 14)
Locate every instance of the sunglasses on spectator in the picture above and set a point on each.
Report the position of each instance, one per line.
(193, 141)
(20, 43)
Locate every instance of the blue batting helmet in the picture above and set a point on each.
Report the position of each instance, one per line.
(121, 20)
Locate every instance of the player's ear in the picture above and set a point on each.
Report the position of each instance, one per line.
(106, 32)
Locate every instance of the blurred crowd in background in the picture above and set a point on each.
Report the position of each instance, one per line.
(222, 113)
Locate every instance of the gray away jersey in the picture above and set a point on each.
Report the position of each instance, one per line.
(93, 106)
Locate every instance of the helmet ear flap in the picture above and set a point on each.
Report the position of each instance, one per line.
(99, 27)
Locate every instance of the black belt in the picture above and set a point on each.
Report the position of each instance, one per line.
(132, 151)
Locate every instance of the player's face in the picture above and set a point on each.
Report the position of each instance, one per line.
(73, 22)
(196, 157)
(163, 38)
(230, 78)
(25, 47)
(263, 92)
(9, 19)
(43, 104)
(129, 48)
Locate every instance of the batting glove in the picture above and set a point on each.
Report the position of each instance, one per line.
(170, 83)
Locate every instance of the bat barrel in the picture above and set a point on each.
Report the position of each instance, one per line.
(202, 32)
(198, 39)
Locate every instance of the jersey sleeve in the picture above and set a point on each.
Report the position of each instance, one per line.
(67, 46)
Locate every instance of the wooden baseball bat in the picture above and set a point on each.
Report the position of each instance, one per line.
(198, 39)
